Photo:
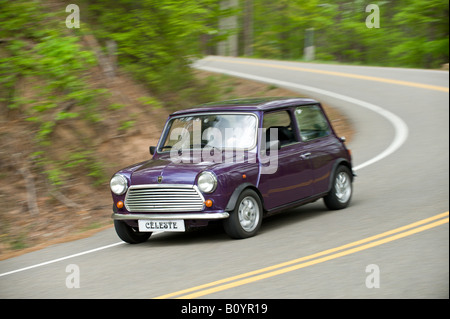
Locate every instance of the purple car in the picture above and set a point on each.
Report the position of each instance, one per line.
(235, 162)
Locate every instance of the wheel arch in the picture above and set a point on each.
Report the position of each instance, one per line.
(337, 163)
(234, 197)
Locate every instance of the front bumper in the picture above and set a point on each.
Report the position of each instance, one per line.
(184, 216)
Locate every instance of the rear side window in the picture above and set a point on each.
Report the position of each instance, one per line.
(311, 122)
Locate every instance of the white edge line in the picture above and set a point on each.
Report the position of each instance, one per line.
(401, 129)
(61, 259)
(68, 257)
(401, 134)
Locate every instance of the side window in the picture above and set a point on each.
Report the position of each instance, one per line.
(281, 121)
(311, 122)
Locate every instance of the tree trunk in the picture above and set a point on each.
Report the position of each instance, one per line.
(248, 27)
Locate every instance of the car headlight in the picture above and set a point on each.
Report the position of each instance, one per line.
(118, 184)
(207, 182)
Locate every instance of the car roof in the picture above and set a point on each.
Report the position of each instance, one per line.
(249, 104)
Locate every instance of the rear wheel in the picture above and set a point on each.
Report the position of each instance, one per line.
(341, 191)
(246, 218)
(129, 234)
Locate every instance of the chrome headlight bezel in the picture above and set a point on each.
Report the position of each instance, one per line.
(207, 182)
(118, 184)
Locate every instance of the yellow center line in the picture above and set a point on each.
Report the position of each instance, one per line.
(341, 74)
(298, 263)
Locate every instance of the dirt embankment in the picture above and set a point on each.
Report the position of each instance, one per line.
(35, 214)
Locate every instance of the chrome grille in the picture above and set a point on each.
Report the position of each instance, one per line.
(164, 198)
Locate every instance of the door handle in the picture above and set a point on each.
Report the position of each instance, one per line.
(305, 155)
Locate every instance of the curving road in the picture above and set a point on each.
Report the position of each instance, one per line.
(392, 242)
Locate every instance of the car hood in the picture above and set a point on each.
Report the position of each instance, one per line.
(171, 173)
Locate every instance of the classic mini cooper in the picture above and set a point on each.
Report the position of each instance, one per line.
(234, 162)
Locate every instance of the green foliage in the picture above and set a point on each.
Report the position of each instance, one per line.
(412, 33)
(155, 38)
(116, 106)
(424, 25)
(125, 125)
(151, 101)
(77, 162)
(47, 58)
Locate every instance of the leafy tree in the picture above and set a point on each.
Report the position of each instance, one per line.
(412, 33)
(155, 38)
(423, 29)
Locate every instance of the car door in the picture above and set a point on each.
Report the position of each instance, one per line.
(292, 179)
(318, 143)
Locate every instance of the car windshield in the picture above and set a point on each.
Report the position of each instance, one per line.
(221, 131)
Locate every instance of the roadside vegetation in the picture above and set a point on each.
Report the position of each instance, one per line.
(410, 33)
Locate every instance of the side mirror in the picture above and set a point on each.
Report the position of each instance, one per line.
(152, 150)
(343, 139)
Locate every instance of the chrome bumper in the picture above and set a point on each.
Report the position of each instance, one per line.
(184, 216)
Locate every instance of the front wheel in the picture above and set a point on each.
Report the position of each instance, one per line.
(341, 190)
(129, 234)
(245, 220)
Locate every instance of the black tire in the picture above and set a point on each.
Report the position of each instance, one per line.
(246, 218)
(128, 234)
(341, 190)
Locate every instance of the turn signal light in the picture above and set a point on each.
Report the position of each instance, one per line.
(208, 203)
(119, 204)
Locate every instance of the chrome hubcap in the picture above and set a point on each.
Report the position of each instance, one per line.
(248, 214)
(343, 187)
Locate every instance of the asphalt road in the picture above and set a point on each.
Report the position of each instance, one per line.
(392, 242)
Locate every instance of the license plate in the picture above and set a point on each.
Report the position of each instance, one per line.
(161, 225)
